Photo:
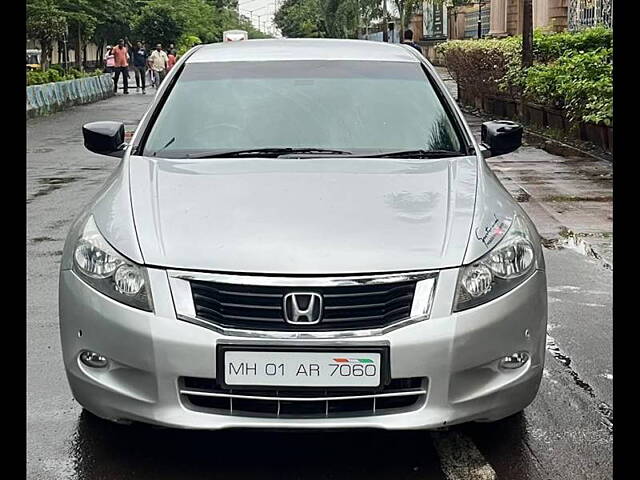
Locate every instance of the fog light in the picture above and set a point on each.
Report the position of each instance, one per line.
(93, 359)
(515, 360)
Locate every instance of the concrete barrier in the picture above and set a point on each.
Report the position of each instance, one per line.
(53, 97)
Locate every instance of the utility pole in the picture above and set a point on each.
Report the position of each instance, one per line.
(385, 31)
(527, 34)
(401, 29)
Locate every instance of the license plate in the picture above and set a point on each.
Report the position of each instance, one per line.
(302, 369)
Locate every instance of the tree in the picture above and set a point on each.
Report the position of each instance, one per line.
(47, 24)
(158, 24)
(114, 18)
(81, 16)
(406, 8)
(346, 21)
(369, 10)
(299, 18)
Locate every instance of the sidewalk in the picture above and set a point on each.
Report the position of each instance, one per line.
(570, 199)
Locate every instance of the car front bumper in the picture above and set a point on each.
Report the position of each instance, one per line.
(458, 354)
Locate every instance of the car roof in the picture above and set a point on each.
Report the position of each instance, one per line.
(301, 49)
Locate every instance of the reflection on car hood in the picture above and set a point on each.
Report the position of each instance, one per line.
(303, 216)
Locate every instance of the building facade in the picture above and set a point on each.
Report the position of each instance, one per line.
(92, 53)
(506, 16)
(463, 21)
(551, 15)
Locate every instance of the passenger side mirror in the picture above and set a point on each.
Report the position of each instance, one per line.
(501, 136)
(105, 138)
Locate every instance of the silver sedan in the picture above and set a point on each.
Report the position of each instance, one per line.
(303, 234)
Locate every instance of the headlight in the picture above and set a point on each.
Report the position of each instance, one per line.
(98, 264)
(510, 263)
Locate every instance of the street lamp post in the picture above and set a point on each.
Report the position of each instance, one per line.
(479, 20)
(66, 50)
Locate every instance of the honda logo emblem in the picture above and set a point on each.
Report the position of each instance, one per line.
(303, 307)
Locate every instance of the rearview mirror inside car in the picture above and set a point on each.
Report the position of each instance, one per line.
(104, 138)
(501, 136)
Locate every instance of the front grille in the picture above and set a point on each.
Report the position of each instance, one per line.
(400, 395)
(346, 307)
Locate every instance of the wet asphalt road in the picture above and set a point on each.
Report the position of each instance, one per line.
(566, 433)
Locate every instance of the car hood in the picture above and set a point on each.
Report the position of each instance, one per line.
(303, 216)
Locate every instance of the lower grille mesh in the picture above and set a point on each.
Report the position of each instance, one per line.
(400, 395)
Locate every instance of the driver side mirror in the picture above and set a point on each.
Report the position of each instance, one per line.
(500, 137)
(104, 138)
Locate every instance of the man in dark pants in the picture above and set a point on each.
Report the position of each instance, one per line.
(121, 57)
(139, 64)
(408, 40)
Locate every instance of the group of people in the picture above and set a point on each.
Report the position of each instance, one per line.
(123, 58)
(157, 62)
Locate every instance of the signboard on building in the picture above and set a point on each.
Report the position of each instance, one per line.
(434, 20)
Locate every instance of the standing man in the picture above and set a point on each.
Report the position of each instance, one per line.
(121, 60)
(408, 40)
(139, 63)
(158, 62)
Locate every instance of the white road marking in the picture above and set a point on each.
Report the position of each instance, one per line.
(459, 457)
(564, 288)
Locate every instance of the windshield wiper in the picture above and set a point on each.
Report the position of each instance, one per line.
(266, 152)
(416, 154)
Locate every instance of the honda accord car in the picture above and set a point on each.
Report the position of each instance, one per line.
(303, 234)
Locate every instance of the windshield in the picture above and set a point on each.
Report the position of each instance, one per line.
(360, 107)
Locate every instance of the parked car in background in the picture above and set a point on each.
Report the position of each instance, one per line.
(234, 35)
(34, 59)
(303, 233)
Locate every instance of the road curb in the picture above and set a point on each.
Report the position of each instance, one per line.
(54, 97)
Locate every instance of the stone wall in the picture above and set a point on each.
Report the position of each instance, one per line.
(53, 97)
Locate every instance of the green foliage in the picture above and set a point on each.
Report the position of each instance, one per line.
(186, 42)
(59, 68)
(481, 66)
(114, 19)
(579, 82)
(299, 18)
(325, 18)
(158, 24)
(340, 18)
(52, 75)
(407, 8)
(572, 71)
(181, 22)
(45, 23)
(548, 47)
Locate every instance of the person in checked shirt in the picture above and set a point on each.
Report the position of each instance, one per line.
(158, 63)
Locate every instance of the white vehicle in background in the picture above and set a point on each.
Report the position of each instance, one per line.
(234, 35)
